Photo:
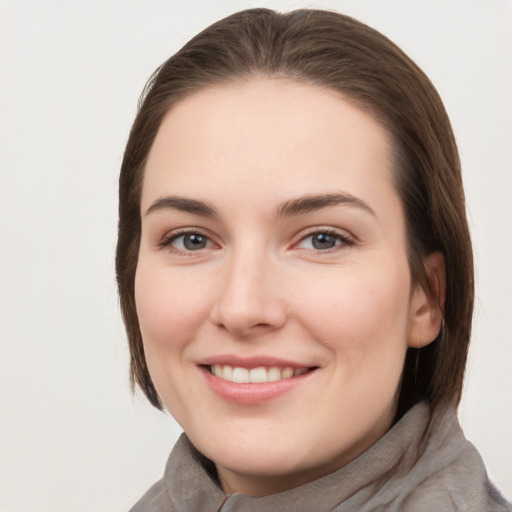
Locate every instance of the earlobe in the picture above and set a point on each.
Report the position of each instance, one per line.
(427, 305)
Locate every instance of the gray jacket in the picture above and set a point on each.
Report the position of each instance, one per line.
(415, 467)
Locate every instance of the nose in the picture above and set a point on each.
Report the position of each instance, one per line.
(250, 300)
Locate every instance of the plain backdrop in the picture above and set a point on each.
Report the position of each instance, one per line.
(72, 437)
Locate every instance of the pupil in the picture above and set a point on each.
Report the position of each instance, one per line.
(194, 242)
(323, 241)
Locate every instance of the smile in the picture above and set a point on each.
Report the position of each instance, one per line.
(254, 382)
(257, 375)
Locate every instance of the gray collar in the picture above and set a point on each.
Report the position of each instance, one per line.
(418, 465)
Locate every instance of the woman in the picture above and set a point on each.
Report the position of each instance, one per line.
(295, 273)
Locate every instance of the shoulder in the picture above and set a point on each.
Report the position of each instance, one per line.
(186, 485)
(436, 468)
(451, 475)
(448, 495)
(156, 499)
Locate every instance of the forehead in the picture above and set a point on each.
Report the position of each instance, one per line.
(275, 134)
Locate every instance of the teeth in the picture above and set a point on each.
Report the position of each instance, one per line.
(258, 375)
(273, 374)
(254, 375)
(227, 372)
(287, 373)
(240, 375)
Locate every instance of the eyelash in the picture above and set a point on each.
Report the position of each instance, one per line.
(168, 240)
(344, 241)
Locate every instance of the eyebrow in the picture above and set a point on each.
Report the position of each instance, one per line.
(183, 204)
(311, 203)
(297, 206)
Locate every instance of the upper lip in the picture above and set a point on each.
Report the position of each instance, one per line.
(252, 362)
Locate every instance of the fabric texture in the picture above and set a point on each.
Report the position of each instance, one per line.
(417, 466)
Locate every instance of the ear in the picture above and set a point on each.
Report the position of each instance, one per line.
(426, 314)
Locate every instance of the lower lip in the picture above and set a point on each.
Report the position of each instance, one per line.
(252, 393)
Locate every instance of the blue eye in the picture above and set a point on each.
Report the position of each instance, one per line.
(189, 242)
(323, 241)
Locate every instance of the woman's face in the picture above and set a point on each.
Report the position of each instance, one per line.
(273, 251)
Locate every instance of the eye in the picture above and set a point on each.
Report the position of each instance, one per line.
(187, 242)
(323, 241)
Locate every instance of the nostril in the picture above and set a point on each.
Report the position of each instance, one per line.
(244, 325)
(261, 325)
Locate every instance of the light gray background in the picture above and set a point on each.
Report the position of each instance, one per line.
(71, 71)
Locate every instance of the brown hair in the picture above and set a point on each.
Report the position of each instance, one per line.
(335, 52)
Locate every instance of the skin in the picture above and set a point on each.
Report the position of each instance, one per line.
(259, 286)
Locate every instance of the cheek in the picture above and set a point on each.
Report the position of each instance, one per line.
(359, 310)
(169, 307)
(170, 312)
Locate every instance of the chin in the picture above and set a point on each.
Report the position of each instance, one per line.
(260, 458)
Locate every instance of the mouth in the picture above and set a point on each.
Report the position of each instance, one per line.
(254, 380)
(258, 375)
